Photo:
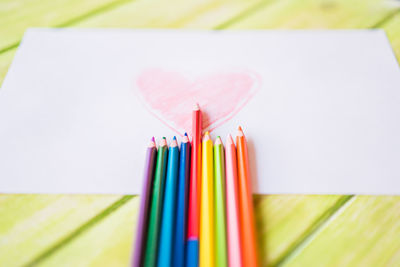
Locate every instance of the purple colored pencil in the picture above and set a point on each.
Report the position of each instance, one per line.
(142, 223)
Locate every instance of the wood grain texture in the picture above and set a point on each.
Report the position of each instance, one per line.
(108, 243)
(320, 14)
(16, 16)
(5, 62)
(281, 221)
(366, 233)
(171, 14)
(284, 221)
(30, 223)
(392, 29)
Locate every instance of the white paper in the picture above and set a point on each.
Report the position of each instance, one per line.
(320, 109)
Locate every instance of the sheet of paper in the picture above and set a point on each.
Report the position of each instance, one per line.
(320, 109)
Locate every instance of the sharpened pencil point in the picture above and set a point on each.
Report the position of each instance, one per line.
(152, 142)
(229, 140)
(206, 136)
(218, 141)
(163, 142)
(174, 143)
(196, 106)
(240, 132)
(174, 138)
(186, 134)
(185, 139)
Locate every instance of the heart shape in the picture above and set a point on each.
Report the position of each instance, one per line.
(170, 96)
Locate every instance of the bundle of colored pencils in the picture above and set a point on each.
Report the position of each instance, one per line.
(196, 205)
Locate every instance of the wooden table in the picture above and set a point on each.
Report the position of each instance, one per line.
(293, 230)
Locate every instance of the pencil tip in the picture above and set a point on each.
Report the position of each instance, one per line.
(164, 138)
(163, 142)
(218, 141)
(240, 131)
(196, 106)
(152, 142)
(174, 143)
(185, 139)
(229, 139)
(186, 134)
(174, 138)
(206, 136)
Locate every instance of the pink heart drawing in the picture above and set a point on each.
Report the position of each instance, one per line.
(170, 96)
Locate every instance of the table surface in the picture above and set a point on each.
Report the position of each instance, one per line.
(293, 230)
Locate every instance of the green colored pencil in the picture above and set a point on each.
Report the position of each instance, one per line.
(150, 256)
(220, 222)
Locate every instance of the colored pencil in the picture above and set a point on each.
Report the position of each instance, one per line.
(247, 230)
(168, 211)
(207, 238)
(181, 204)
(141, 228)
(219, 204)
(232, 205)
(192, 255)
(150, 256)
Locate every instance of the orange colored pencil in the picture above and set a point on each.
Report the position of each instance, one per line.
(247, 227)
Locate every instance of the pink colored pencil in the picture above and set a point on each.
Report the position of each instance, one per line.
(232, 204)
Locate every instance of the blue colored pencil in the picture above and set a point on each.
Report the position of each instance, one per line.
(168, 213)
(181, 204)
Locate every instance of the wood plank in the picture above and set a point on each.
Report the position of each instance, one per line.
(17, 16)
(366, 233)
(280, 220)
(392, 29)
(312, 14)
(5, 62)
(171, 14)
(105, 244)
(28, 223)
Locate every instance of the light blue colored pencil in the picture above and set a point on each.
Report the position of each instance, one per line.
(168, 216)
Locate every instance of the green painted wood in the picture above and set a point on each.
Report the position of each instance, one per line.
(284, 221)
(16, 16)
(5, 62)
(317, 14)
(365, 233)
(29, 223)
(108, 243)
(281, 220)
(392, 29)
(203, 14)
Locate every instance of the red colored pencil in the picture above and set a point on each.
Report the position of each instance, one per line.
(247, 227)
(192, 249)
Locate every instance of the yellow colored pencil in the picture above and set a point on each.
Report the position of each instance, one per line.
(207, 235)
